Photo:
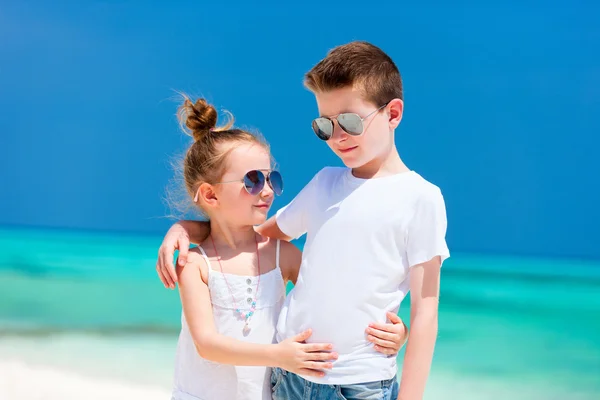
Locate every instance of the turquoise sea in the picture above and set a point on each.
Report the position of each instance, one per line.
(510, 328)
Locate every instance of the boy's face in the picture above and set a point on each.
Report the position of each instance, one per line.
(377, 138)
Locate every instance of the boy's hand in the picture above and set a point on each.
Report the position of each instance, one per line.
(177, 238)
(388, 338)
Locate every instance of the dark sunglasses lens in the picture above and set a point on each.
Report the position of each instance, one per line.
(323, 128)
(351, 123)
(276, 182)
(254, 181)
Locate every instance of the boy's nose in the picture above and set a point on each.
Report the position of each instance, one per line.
(338, 133)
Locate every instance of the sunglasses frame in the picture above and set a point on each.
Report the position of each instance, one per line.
(335, 117)
(267, 178)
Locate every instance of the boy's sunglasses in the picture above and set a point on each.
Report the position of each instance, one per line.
(351, 123)
(254, 181)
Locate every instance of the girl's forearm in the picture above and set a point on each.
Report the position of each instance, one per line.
(225, 350)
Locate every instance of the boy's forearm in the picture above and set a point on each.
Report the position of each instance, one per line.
(418, 356)
(270, 229)
(196, 230)
(225, 350)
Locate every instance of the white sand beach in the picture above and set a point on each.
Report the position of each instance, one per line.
(22, 381)
(77, 366)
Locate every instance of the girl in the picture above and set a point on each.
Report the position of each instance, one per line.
(233, 284)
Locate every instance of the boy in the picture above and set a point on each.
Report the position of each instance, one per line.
(375, 230)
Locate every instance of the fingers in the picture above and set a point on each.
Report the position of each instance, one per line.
(184, 247)
(321, 356)
(161, 269)
(311, 372)
(301, 337)
(313, 347)
(317, 365)
(396, 325)
(183, 244)
(166, 257)
(385, 350)
(383, 343)
(387, 327)
(160, 275)
(394, 318)
(382, 334)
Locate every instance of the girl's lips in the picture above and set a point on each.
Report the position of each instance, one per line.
(347, 150)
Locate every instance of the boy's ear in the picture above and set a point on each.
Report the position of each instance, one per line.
(395, 108)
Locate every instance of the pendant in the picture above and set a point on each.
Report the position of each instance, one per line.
(246, 330)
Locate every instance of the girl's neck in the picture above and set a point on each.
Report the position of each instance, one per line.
(233, 236)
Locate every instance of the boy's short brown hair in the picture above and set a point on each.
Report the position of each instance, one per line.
(358, 64)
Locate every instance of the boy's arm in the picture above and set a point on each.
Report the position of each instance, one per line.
(424, 298)
(426, 250)
(292, 354)
(270, 229)
(289, 262)
(179, 237)
(183, 233)
(291, 221)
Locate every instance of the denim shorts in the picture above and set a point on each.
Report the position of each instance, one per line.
(289, 386)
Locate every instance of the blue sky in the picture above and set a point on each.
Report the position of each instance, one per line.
(498, 113)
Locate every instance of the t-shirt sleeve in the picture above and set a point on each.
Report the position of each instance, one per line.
(292, 218)
(427, 230)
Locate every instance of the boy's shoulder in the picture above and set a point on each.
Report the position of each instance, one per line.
(419, 189)
(423, 186)
(331, 171)
(326, 175)
(409, 183)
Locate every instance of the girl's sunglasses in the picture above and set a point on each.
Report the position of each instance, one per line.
(254, 181)
(351, 123)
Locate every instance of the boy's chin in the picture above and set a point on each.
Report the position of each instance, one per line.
(353, 162)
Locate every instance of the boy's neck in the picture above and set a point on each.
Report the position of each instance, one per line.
(233, 236)
(389, 164)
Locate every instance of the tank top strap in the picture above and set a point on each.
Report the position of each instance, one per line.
(206, 260)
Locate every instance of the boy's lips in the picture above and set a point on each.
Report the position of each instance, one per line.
(262, 205)
(347, 149)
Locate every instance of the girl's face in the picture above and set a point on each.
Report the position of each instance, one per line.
(230, 201)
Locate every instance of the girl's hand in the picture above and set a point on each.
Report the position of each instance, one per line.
(310, 359)
(388, 338)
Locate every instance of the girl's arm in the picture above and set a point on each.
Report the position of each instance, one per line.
(291, 354)
(387, 338)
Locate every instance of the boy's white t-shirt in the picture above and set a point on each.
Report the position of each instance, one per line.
(363, 235)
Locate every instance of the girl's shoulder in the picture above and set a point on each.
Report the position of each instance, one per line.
(195, 259)
(286, 249)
